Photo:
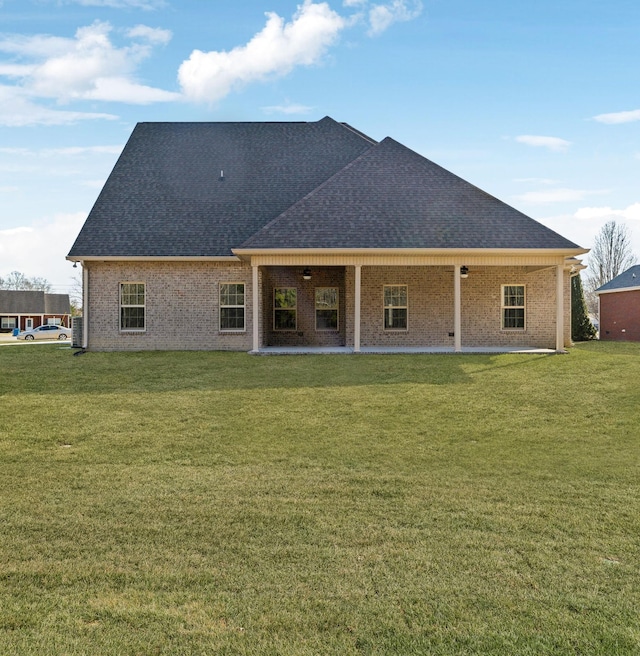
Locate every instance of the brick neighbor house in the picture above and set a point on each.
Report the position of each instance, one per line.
(29, 309)
(619, 302)
(294, 235)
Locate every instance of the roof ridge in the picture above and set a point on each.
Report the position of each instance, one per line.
(358, 132)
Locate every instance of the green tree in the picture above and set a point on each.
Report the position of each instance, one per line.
(581, 327)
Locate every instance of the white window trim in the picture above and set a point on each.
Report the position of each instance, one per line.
(284, 330)
(120, 306)
(504, 307)
(243, 306)
(395, 307)
(336, 308)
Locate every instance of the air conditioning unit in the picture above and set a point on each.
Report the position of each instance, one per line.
(76, 332)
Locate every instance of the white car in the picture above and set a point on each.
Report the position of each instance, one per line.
(46, 332)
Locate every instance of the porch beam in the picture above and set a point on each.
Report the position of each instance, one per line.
(457, 313)
(356, 309)
(560, 308)
(256, 308)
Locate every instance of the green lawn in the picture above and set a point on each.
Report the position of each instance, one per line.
(212, 503)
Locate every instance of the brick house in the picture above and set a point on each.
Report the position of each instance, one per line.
(29, 309)
(261, 236)
(619, 302)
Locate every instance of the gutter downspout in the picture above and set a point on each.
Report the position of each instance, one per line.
(85, 305)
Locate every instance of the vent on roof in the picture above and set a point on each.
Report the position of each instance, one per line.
(221, 178)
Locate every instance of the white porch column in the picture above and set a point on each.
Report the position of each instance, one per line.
(255, 308)
(457, 314)
(356, 309)
(560, 307)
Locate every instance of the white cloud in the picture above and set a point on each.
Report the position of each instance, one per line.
(18, 111)
(273, 52)
(557, 195)
(552, 143)
(288, 108)
(631, 213)
(70, 151)
(384, 15)
(542, 181)
(583, 225)
(151, 34)
(15, 70)
(618, 117)
(86, 67)
(39, 250)
(122, 90)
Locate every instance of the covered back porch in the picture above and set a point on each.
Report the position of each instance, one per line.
(413, 303)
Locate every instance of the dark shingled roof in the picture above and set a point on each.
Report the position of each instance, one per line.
(627, 279)
(391, 197)
(33, 302)
(57, 304)
(289, 185)
(164, 197)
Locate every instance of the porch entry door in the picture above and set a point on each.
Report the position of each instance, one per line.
(28, 324)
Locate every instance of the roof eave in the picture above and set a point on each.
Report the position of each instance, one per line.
(245, 253)
(152, 258)
(618, 289)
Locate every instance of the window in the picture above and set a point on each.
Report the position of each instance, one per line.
(232, 306)
(395, 307)
(285, 308)
(326, 308)
(132, 306)
(513, 314)
(8, 323)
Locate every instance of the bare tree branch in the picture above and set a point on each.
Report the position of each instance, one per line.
(18, 281)
(610, 256)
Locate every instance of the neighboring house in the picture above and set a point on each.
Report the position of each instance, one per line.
(30, 309)
(249, 236)
(619, 302)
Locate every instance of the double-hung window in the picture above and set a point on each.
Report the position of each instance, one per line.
(396, 307)
(513, 307)
(132, 306)
(8, 323)
(285, 308)
(326, 308)
(232, 307)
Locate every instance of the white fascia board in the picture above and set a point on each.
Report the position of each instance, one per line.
(447, 252)
(621, 289)
(408, 256)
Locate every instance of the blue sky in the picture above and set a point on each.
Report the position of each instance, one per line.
(537, 103)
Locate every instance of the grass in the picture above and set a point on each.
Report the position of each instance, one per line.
(221, 503)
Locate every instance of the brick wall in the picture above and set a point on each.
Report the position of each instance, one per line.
(620, 316)
(182, 311)
(306, 333)
(431, 313)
